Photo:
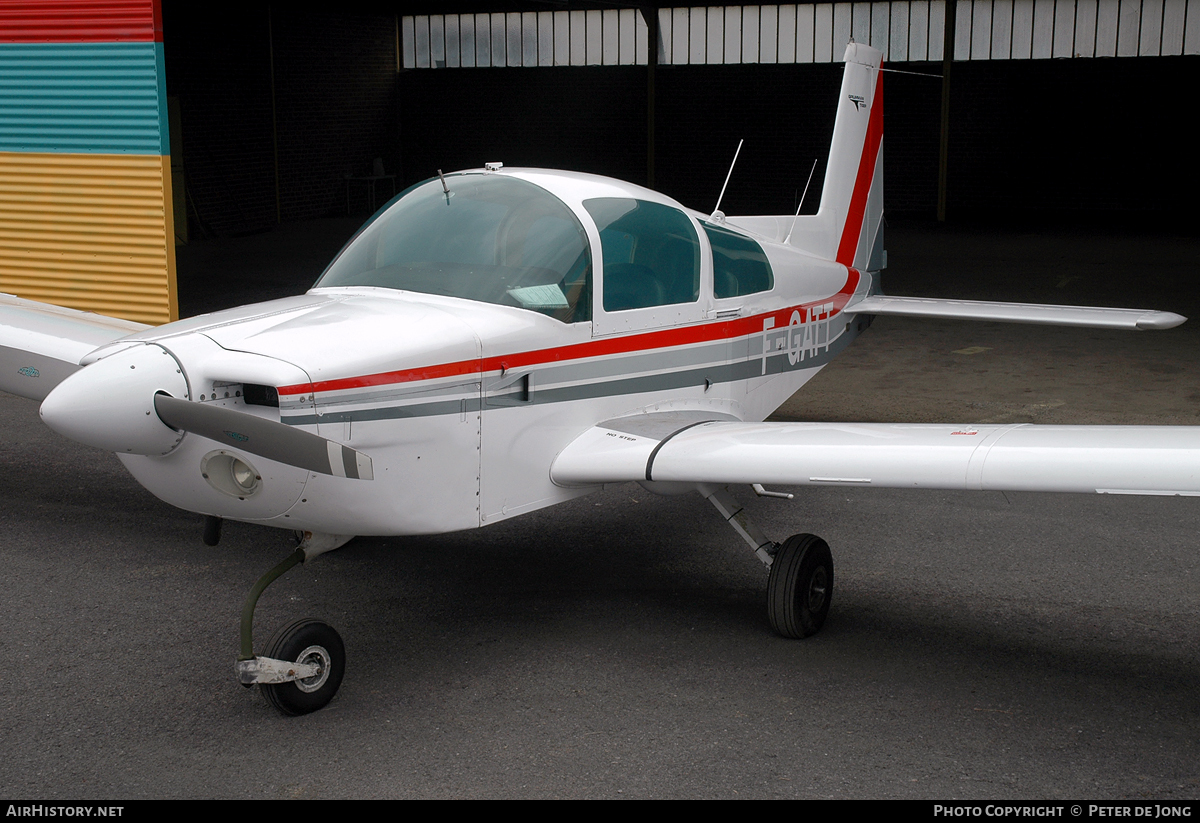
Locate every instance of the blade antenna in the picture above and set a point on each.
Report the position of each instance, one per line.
(721, 196)
(797, 216)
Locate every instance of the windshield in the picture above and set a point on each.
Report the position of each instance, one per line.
(492, 238)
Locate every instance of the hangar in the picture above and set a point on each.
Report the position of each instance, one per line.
(1050, 677)
(245, 116)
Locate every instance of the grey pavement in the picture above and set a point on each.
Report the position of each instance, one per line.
(980, 645)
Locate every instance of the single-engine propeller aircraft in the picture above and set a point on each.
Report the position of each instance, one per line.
(499, 340)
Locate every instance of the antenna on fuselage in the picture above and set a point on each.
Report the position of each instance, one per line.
(797, 216)
(445, 188)
(716, 215)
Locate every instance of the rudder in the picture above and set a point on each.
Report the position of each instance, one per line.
(851, 210)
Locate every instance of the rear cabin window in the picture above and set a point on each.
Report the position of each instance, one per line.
(739, 264)
(651, 253)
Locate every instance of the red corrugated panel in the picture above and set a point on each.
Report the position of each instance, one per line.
(80, 21)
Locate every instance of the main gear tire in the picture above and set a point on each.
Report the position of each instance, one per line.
(800, 586)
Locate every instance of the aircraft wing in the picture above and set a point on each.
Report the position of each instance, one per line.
(41, 344)
(1160, 460)
(1087, 316)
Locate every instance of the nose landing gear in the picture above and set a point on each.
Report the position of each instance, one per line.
(306, 659)
(312, 645)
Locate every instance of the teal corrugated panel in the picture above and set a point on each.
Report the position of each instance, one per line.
(107, 98)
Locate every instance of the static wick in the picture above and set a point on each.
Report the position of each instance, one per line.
(797, 216)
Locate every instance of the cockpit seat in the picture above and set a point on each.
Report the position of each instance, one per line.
(631, 286)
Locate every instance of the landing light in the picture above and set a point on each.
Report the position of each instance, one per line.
(230, 474)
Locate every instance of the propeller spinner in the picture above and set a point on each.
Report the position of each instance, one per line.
(135, 402)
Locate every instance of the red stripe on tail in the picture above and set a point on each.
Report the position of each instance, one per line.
(862, 183)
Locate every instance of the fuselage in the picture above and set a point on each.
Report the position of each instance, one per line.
(463, 401)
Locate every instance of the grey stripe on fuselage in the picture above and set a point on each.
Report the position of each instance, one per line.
(440, 407)
(617, 366)
(546, 374)
(776, 362)
(407, 392)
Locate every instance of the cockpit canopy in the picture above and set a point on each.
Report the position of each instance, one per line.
(500, 239)
(486, 237)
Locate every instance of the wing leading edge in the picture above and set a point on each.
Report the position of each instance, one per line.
(1036, 313)
(41, 344)
(1157, 460)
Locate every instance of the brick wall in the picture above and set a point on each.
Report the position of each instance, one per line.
(335, 80)
(1054, 139)
(335, 108)
(593, 119)
(584, 118)
(220, 72)
(1050, 138)
(1073, 137)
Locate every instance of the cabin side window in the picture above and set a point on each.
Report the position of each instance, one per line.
(651, 253)
(739, 264)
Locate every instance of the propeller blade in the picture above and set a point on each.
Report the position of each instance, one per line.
(265, 438)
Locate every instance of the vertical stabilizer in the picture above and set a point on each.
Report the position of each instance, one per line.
(848, 225)
(850, 218)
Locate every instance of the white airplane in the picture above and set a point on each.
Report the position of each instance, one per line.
(498, 340)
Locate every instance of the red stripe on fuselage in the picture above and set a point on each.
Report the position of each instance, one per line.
(862, 183)
(646, 341)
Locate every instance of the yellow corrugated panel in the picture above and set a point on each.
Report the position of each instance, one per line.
(89, 231)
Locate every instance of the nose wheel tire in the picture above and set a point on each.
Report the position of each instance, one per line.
(315, 643)
(800, 587)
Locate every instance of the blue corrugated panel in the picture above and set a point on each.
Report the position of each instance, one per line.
(83, 97)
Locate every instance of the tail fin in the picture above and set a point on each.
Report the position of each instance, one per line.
(848, 225)
(850, 218)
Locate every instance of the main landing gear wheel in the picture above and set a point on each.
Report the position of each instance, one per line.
(315, 643)
(800, 587)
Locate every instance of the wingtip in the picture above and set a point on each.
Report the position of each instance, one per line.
(1158, 320)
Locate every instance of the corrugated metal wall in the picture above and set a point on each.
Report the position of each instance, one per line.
(905, 30)
(85, 172)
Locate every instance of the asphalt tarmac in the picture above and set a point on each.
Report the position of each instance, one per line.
(981, 645)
